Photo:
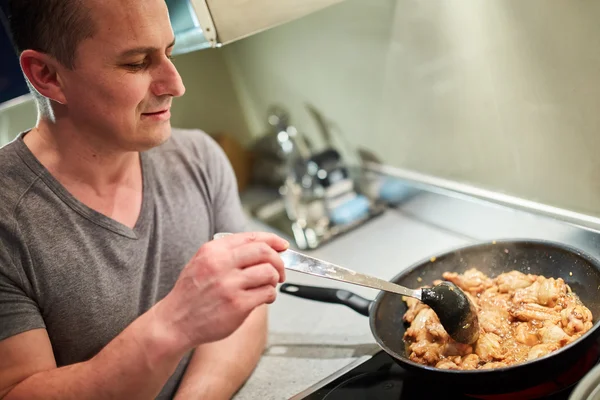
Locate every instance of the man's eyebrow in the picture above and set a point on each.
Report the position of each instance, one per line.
(143, 50)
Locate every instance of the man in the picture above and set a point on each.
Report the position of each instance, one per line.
(110, 284)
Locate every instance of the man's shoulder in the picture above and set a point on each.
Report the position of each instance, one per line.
(16, 178)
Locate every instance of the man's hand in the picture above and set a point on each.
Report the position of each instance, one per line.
(222, 284)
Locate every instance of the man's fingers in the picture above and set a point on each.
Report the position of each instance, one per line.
(252, 254)
(239, 239)
(259, 275)
(261, 295)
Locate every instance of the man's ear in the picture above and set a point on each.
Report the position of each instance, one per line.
(42, 72)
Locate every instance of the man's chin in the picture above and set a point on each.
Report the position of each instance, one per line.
(162, 135)
(152, 137)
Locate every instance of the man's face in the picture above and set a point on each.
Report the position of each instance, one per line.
(123, 82)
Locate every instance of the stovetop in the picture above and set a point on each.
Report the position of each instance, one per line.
(380, 377)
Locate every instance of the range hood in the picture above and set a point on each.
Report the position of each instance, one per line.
(203, 24)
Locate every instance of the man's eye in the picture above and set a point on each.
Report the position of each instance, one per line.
(136, 66)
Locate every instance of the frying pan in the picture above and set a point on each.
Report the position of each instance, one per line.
(580, 271)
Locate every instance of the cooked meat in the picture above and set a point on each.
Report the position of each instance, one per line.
(541, 350)
(414, 306)
(521, 317)
(513, 280)
(532, 311)
(488, 347)
(470, 362)
(528, 294)
(446, 364)
(491, 298)
(425, 352)
(514, 351)
(492, 365)
(457, 349)
(426, 326)
(543, 291)
(525, 334)
(494, 320)
(551, 333)
(575, 318)
(550, 291)
(471, 280)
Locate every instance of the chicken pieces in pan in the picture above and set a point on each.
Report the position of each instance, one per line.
(521, 316)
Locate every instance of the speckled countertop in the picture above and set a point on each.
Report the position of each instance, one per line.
(308, 341)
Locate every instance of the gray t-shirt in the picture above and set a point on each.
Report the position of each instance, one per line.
(82, 275)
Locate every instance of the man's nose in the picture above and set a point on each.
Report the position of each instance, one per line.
(167, 81)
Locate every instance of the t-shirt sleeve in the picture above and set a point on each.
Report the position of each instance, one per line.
(229, 215)
(18, 311)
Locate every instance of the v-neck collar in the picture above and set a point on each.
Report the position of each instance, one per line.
(92, 215)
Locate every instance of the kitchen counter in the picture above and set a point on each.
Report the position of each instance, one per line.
(308, 340)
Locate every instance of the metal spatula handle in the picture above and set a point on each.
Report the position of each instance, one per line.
(313, 266)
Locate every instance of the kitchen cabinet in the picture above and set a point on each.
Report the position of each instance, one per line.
(236, 19)
(201, 24)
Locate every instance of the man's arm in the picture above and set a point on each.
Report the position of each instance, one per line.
(218, 370)
(215, 294)
(135, 365)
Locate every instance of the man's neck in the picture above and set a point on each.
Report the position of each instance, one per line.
(73, 156)
(104, 179)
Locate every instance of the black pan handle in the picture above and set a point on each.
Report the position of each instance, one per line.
(328, 295)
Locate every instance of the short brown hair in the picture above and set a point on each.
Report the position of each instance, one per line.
(55, 27)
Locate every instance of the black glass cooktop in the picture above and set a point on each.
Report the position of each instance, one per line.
(381, 378)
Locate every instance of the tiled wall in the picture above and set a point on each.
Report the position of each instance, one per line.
(333, 60)
(503, 95)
